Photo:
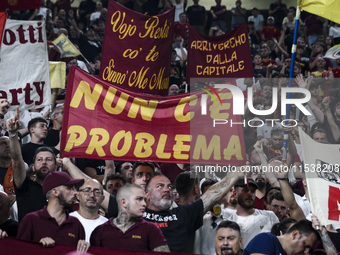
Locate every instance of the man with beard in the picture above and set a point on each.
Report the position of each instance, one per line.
(179, 224)
(90, 197)
(129, 231)
(29, 194)
(261, 182)
(278, 205)
(228, 240)
(251, 221)
(52, 225)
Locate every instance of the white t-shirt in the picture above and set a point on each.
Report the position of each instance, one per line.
(179, 53)
(260, 221)
(205, 235)
(334, 31)
(179, 8)
(89, 225)
(257, 21)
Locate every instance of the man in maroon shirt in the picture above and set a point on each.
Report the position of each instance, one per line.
(52, 225)
(129, 231)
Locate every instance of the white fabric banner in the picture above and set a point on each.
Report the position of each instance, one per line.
(322, 166)
(24, 69)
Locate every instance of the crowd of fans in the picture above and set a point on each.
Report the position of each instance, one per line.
(265, 213)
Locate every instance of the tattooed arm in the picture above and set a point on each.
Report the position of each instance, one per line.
(217, 191)
(326, 241)
(163, 248)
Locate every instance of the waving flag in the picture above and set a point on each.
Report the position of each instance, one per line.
(328, 9)
(322, 167)
(66, 47)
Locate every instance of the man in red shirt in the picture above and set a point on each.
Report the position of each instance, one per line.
(336, 70)
(270, 32)
(181, 27)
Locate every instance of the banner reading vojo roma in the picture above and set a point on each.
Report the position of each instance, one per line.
(322, 169)
(137, 50)
(24, 69)
(103, 121)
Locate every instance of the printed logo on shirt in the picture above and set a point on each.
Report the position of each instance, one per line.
(159, 218)
(161, 225)
(261, 227)
(136, 237)
(71, 235)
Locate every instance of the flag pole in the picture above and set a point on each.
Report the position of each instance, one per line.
(291, 72)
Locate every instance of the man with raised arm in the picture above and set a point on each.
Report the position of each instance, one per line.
(129, 231)
(30, 196)
(179, 224)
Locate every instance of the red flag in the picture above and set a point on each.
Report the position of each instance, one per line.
(19, 4)
(3, 16)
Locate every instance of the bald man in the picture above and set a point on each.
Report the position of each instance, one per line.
(173, 90)
(129, 231)
(90, 198)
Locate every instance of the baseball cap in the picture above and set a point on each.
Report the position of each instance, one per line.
(271, 17)
(240, 183)
(56, 179)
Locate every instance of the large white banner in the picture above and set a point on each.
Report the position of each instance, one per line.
(322, 166)
(24, 69)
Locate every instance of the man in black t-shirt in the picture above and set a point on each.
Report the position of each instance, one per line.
(37, 129)
(30, 196)
(197, 17)
(179, 224)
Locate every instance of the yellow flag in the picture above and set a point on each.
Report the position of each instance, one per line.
(66, 47)
(57, 74)
(328, 9)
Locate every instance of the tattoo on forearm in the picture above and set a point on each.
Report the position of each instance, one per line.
(327, 244)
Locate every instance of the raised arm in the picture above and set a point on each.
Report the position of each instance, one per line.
(334, 127)
(288, 195)
(73, 23)
(18, 164)
(326, 241)
(269, 175)
(305, 84)
(217, 191)
(76, 173)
